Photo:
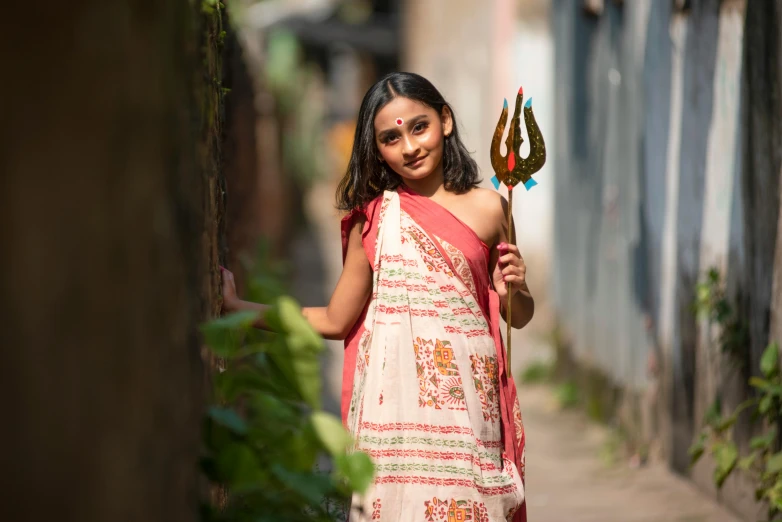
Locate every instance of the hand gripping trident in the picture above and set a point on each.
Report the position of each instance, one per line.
(512, 169)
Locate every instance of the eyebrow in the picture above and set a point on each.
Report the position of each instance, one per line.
(412, 122)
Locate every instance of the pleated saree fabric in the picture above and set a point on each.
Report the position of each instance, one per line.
(425, 392)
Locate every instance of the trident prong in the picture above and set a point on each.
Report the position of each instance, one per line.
(523, 168)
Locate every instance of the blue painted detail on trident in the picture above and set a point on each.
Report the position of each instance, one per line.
(495, 182)
(529, 103)
(505, 103)
(530, 183)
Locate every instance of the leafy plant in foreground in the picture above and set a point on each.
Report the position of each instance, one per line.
(764, 461)
(265, 433)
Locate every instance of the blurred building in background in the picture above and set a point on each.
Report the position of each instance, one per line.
(297, 71)
(668, 130)
(477, 55)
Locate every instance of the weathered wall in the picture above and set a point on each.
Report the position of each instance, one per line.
(110, 207)
(762, 141)
(667, 157)
(596, 154)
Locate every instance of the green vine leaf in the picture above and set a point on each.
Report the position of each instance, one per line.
(702, 298)
(228, 418)
(272, 410)
(301, 370)
(775, 494)
(357, 468)
(765, 404)
(774, 463)
(224, 335)
(763, 442)
(311, 486)
(712, 416)
(697, 449)
(725, 455)
(725, 424)
(303, 450)
(760, 384)
(331, 433)
(296, 351)
(229, 385)
(239, 466)
(294, 323)
(769, 361)
(747, 462)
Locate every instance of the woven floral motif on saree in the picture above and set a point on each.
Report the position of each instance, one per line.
(425, 400)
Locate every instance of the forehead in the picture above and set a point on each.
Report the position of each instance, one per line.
(400, 107)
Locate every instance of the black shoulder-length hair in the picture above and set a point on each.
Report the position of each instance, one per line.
(366, 176)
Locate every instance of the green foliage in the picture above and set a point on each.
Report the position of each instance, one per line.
(595, 408)
(567, 394)
(764, 461)
(295, 86)
(712, 303)
(211, 6)
(611, 450)
(265, 431)
(537, 372)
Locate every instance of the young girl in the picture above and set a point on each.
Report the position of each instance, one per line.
(427, 268)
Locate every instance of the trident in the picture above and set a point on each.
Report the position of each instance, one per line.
(513, 169)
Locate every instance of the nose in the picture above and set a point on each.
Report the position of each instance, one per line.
(410, 146)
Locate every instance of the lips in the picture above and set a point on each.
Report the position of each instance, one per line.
(416, 162)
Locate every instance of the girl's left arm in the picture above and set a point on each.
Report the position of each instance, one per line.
(510, 272)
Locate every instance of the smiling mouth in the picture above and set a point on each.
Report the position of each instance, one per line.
(415, 161)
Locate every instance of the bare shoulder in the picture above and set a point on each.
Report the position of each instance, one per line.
(489, 203)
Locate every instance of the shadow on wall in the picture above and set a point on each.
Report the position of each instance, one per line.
(698, 98)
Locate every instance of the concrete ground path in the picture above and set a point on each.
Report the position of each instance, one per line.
(568, 481)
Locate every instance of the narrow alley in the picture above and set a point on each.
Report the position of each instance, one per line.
(567, 478)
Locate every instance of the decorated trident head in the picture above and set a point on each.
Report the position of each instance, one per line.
(513, 169)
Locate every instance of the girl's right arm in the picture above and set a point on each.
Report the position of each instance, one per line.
(336, 320)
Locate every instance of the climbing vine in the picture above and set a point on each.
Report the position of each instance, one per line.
(265, 432)
(712, 302)
(269, 451)
(763, 463)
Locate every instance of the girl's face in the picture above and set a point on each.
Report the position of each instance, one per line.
(409, 136)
